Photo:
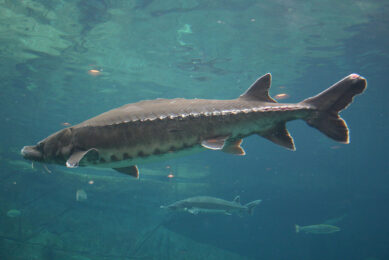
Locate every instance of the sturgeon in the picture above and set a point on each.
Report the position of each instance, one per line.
(159, 129)
(205, 204)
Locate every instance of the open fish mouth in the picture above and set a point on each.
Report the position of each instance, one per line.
(31, 153)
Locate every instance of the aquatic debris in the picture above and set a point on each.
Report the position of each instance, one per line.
(94, 72)
(317, 229)
(81, 195)
(66, 124)
(170, 176)
(186, 29)
(22, 165)
(46, 168)
(13, 213)
(31, 87)
(281, 96)
(91, 182)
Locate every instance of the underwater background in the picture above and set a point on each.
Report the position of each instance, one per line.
(62, 62)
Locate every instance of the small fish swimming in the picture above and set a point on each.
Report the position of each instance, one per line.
(159, 129)
(205, 204)
(13, 213)
(317, 229)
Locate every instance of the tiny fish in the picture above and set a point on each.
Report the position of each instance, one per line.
(317, 229)
(281, 96)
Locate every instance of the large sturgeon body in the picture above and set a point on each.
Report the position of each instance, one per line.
(157, 129)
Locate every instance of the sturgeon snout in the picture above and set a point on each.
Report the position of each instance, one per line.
(31, 153)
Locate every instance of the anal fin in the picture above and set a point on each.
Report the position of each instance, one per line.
(280, 135)
(131, 170)
(234, 147)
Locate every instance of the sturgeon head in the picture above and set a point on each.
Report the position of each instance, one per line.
(60, 148)
(54, 149)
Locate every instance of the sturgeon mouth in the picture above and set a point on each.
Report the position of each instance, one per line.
(31, 153)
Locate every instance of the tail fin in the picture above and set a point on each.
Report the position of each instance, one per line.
(330, 102)
(297, 228)
(251, 205)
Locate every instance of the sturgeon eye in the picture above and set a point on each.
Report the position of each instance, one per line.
(40, 146)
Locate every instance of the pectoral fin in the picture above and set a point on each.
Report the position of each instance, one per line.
(216, 143)
(227, 146)
(76, 157)
(131, 170)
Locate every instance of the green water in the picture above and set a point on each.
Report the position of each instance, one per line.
(62, 62)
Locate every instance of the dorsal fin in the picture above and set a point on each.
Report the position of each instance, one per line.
(259, 91)
(237, 199)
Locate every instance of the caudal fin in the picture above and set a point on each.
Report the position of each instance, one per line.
(330, 102)
(297, 228)
(251, 205)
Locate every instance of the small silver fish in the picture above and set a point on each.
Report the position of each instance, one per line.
(317, 229)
